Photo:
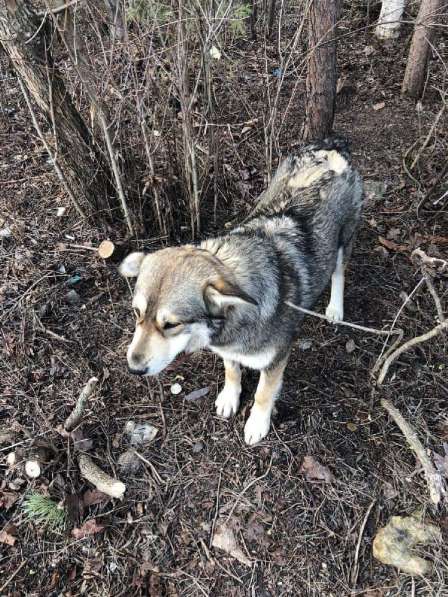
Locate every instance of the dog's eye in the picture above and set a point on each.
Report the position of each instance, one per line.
(137, 313)
(169, 326)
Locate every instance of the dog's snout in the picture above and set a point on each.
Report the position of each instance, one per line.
(137, 364)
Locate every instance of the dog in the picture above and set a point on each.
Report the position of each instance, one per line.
(230, 294)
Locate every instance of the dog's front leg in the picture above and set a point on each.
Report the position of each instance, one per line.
(228, 399)
(269, 386)
(335, 309)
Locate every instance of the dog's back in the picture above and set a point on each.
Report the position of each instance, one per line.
(317, 181)
(313, 204)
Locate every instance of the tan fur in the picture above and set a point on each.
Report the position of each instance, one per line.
(269, 387)
(331, 160)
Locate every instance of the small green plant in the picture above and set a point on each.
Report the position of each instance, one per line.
(238, 16)
(146, 11)
(44, 511)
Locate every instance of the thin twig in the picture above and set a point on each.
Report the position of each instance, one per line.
(383, 355)
(433, 478)
(152, 468)
(113, 161)
(47, 147)
(428, 138)
(215, 517)
(443, 325)
(435, 296)
(355, 569)
(240, 495)
(346, 323)
(409, 344)
(58, 9)
(75, 417)
(13, 575)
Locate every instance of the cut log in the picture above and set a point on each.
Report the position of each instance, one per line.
(106, 249)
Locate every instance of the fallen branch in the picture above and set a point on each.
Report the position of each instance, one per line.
(355, 326)
(102, 481)
(432, 262)
(425, 263)
(89, 470)
(407, 345)
(433, 478)
(75, 417)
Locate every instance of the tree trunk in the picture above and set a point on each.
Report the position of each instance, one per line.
(414, 77)
(321, 77)
(390, 19)
(27, 41)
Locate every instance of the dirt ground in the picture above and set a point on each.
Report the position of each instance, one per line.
(299, 538)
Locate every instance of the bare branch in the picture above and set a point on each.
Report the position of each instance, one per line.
(434, 479)
(102, 481)
(75, 417)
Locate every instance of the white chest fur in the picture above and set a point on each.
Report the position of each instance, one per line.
(258, 361)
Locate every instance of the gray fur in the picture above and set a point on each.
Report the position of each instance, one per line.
(286, 251)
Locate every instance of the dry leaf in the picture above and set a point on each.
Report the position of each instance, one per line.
(378, 106)
(7, 536)
(93, 496)
(90, 527)
(256, 532)
(393, 246)
(314, 471)
(224, 538)
(8, 499)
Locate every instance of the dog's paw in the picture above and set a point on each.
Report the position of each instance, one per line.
(227, 402)
(335, 312)
(257, 426)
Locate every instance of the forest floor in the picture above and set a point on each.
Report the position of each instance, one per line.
(299, 537)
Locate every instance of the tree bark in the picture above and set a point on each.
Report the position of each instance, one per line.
(414, 77)
(321, 77)
(26, 39)
(389, 21)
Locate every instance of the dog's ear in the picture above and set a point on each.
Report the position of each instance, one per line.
(130, 266)
(221, 294)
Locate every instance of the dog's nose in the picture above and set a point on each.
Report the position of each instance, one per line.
(137, 364)
(137, 371)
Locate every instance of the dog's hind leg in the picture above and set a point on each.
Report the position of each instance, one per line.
(228, 399)
(335, 309)
(259, 421)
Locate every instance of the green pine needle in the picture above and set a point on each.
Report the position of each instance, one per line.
(42, 510)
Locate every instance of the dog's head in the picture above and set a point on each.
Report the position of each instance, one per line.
(181, 296)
